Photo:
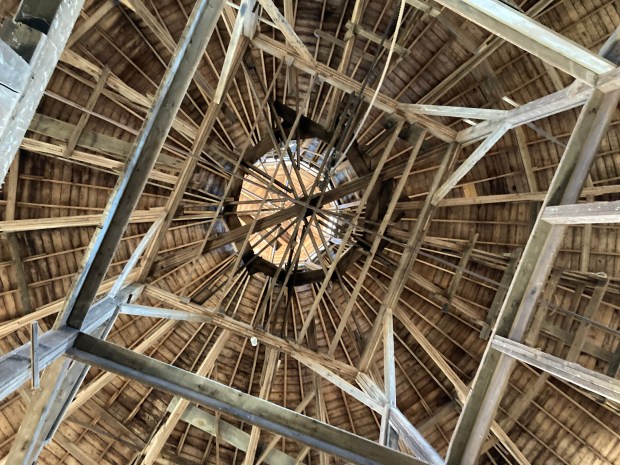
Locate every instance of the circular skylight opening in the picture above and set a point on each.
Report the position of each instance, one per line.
(282, 184)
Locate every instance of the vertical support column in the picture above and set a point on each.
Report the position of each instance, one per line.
(34, 354)
(538, 257)
(59, 382)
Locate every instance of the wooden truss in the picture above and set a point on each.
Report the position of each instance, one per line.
(82, 325)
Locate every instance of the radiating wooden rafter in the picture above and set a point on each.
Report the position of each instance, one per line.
(415, 161)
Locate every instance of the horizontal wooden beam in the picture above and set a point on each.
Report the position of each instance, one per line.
(425, 7)
(95, 141)
(531, 36)
(574, 373)
(156, 312)
(347, 84)
(210, 394)
(15, 365)
(228, 433)
(453, 112)
(76, 221)
(354, 29)
(505, 198)
(571, 97)
(583, 213)
(544, 107)
(245, 330)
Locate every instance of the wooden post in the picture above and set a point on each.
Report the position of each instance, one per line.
(58, 386)
(40, 51)
(529, 279)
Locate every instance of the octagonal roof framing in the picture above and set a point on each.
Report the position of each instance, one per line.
(598, 80)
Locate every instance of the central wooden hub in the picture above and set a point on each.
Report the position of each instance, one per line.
(291, 185)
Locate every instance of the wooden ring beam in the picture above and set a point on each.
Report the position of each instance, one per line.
(360, 163)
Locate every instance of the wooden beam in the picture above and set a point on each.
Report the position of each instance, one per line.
(11, 203)
(95, 141)
(343, 66)
(20, 273)
(42, 413)
(538, 257)
(90, 104)
(567, 337)
(388, 435)
(180, 187)
(228, 433)
(163, 35)
(460, 388)
(374, 248)
(507, 198)
(274, 440)
(46, 52)
(531, 36)
(245, 330)
(236, 47)
(77, 221)
(583, 213)
(412, 437)
(89, 391)
(543, 107)
(342, 384)
(121, 92)
(407, 259)
(14, 71)
(526, 158)
(203, 134)
(453, 112)
(577, 344)
(566, 99)
(158, 441)
(15, 365)
(387, 149)
(573, 373)
(266, 381)
(166, 313)
(285, 27)
(91, 21)
(211, 394)
(500, 294)
(354, 29)
(456, 279)
(75, 451)
(348, 85)
(293, 211)
(425, 7)
(22, 322)
(342, 44)
(469, 163)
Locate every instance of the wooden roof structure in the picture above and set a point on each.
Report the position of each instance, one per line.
(318, 232)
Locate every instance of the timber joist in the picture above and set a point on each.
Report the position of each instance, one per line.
(309, 232)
